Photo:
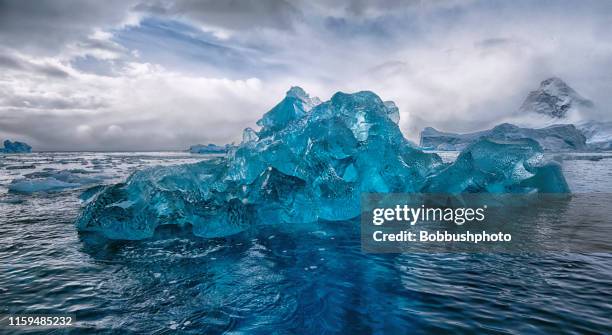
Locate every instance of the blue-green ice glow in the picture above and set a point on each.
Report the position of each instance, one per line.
(310, 161)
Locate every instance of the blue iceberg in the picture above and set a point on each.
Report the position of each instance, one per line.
(310, 161)
(15, 147)
(490, 166)
(209, 149)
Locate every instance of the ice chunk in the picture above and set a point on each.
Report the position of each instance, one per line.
(15, 147)
(304, 165)
(499, 167)
(190, 194)
(562, 137)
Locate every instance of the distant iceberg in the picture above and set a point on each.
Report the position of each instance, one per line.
(563, 137)
(310, 161)
(598, 134)
(209, 149)
(15, 147)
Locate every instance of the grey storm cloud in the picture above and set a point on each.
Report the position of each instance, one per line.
(235, 15)
(47, 25)
(150, 75)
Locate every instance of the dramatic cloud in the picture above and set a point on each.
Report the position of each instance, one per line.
(159, 75)
(47, 26)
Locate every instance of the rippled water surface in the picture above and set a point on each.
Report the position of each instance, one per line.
(270, 279)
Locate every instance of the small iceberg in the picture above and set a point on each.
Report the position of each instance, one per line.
(15, 147)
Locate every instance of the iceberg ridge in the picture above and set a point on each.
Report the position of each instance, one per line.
(558, 137)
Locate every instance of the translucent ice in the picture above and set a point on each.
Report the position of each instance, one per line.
(310, 161)
(499, 167)
(293, 107)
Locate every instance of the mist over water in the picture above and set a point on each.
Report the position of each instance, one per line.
(286, 279)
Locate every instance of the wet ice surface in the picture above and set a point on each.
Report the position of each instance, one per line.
(586, 172)
(312, 280)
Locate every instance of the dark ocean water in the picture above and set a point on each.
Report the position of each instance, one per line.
(279, 279)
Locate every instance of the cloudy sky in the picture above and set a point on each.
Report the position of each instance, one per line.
(160, 75)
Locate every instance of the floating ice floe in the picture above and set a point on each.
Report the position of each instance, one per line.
(51, 180)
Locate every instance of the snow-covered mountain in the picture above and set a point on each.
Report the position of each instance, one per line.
(560, 103)
(554, 115)
(555, 99)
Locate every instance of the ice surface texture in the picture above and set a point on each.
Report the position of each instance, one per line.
(500, 167)
(310, 161)
(15, 147)
(561, 137)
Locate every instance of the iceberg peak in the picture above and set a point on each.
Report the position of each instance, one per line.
(294, 106)
(297, 92)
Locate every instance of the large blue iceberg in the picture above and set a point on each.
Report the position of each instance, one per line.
(310, 161)
(15, 147)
